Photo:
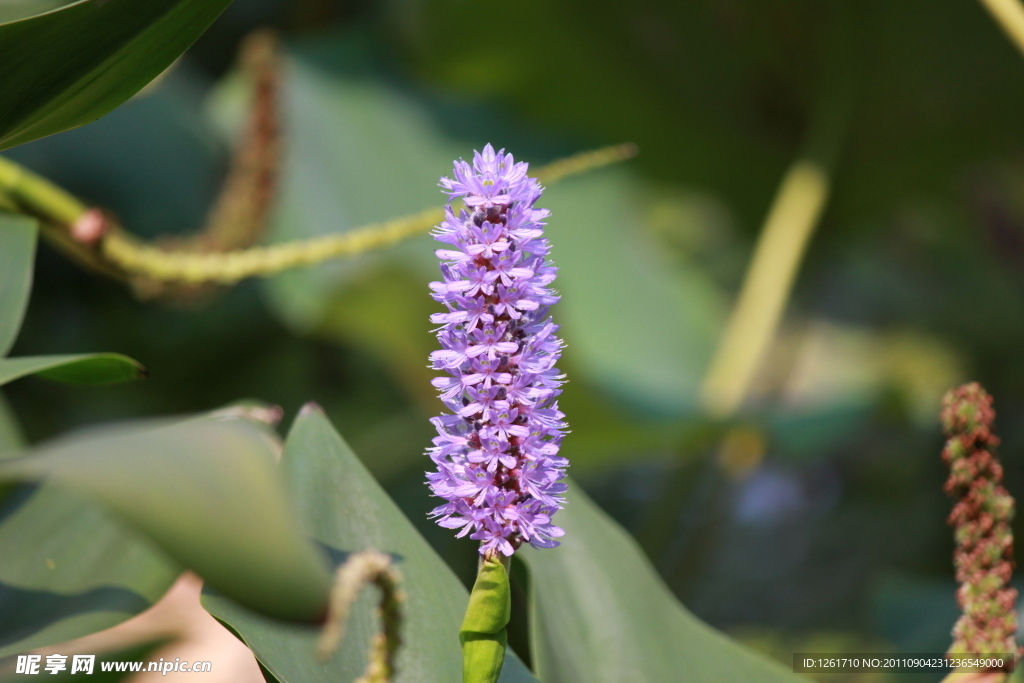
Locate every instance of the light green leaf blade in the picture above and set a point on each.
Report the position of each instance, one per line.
(69, 67)
(17, 258)
(207, 492)
(84, 368)
(600, 613)
(346, 510)
(344, 136)
(653, 351)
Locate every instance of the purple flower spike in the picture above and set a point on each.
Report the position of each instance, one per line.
(497, 458)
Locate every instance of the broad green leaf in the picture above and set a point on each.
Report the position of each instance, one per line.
(17, 258)
(654, 349)
(86, 368)
(69, 569)
(346, 510)
(69, 67)
(207, 492)
(345, 136)
(599, 612)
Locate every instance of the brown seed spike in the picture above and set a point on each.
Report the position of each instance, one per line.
(981, 516)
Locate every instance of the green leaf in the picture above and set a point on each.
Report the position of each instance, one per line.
(346, 510)
(207, 492)
(666, 322)
(17, 258)
(599, 612)
(69, 569)
(86, 368)
(69, 67)
(332, 122)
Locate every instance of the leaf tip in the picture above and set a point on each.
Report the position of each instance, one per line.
(312, 407)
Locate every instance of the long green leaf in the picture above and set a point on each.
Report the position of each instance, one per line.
(84, 368)
(68, 67)
(11, 10)
(17, 257)
(66, 569)
(346, 510)
(18, 236)
(600, 613)
(207, 492)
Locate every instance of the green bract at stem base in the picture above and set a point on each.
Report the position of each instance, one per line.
(483, 635)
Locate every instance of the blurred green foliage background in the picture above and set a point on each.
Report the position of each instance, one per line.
(819, 525)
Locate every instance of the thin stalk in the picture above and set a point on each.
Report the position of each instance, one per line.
(788, 228)
(39, 195)
(794, 214)
(1009, 14)
(137, 259)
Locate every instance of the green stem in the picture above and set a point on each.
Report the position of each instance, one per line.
(136, 260)
(38, 195)
(788, 228)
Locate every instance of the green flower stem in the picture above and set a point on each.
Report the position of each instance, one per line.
(483, 635)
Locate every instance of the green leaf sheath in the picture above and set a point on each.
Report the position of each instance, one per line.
(69, 67)
(207, 492)
(483, 634)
